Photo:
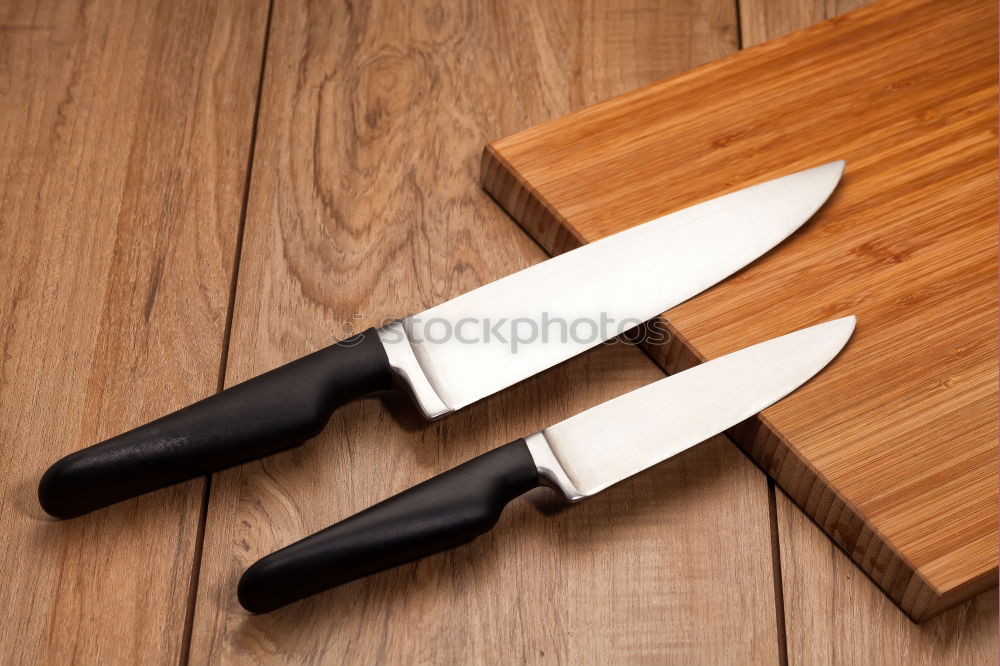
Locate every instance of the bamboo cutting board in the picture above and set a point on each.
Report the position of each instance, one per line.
(892, 450)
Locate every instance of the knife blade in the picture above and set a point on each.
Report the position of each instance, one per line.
(628, 278)
(578, 457)
(438, 357)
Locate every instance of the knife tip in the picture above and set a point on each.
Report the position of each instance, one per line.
(834, 169)
(841, 329)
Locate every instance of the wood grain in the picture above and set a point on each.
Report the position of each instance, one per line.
(364, 202)
(123, 153)
(764, 20)
(891, 450)
(124, 137)
(833, 615)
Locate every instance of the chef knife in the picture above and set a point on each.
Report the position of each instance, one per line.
(578, 457)
(626, 278)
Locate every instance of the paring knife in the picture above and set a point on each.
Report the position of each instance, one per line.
(626, 278)
(579, 457)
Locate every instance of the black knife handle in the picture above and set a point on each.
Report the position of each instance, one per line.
(277, 410)
(448, 510)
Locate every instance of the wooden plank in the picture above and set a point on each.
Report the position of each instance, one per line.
(835, 615)
(364, 202)
(123, 149)
(892, 449)
(762, 21)
(832, 614)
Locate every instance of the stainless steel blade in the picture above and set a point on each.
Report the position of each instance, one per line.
(616, 439)
(492, 337)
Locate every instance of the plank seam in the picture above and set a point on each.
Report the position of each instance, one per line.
(779, 586)
(781, 630)
(188, 632)
(739, 25)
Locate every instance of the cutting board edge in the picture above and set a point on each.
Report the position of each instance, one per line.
(844, 523)
(875, 555)
(898, 577)
(494, 149)
(524, 204)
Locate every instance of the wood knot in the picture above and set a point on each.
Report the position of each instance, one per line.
(386, 90)
(724, 141)
(882, 253)
(949, 382)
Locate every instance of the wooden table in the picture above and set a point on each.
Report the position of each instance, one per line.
(195, 192)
